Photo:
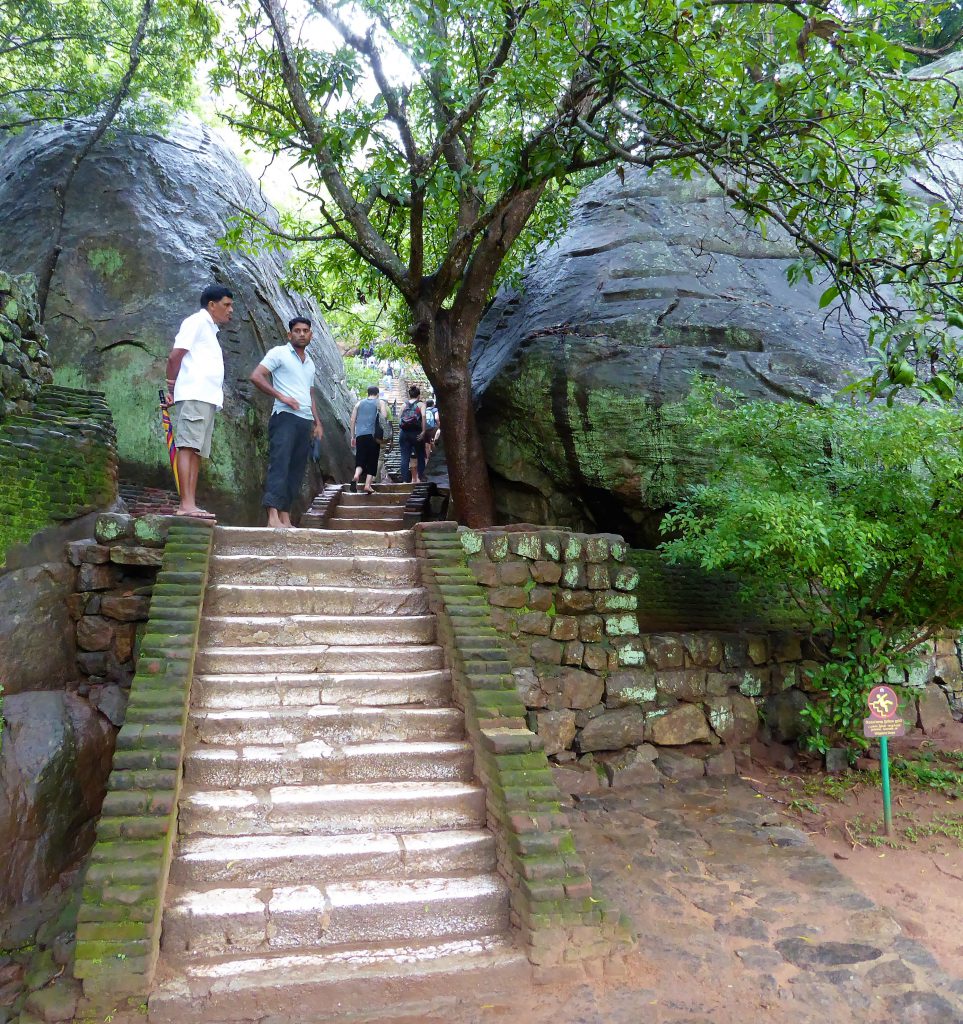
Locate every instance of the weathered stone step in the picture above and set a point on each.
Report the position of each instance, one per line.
(306, 570)
(320, 658)
(242, 540)
(332, 810)
(396, 489)
(329, 723)
(359, 511)
(359, 500)
(385, 524)
(289, 860)
(316, 762)
(393, 983)
(303, 630)
(304, 689)
(218, 922)
(248, 599)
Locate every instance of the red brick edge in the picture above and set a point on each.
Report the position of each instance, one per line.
(119, 922)
(561, 922)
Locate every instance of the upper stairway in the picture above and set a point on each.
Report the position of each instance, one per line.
(384, 510)
(333, 856)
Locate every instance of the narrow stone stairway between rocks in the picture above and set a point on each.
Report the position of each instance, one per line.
(384, 510)
(333, 860)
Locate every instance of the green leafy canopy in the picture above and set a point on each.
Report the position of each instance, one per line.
(852, 513)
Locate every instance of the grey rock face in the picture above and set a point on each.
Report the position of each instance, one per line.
(143, 218)
(54, 763)
(652, 282)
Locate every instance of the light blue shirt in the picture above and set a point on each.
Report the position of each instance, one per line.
(291, 377)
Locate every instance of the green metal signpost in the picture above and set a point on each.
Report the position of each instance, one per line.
(884, 721)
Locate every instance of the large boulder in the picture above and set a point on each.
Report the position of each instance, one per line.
(143, 219)
(55, 753)
(653, 281)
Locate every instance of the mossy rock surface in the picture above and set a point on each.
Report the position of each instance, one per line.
(653, 281)
(143, 221)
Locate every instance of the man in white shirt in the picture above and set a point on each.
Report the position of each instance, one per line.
(286, 373)
(195, 387)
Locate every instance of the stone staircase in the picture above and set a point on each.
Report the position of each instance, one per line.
(384, 510)
(333, 860)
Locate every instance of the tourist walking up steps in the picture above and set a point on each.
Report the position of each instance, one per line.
(412, 430)
(286, 373)
(195, 390)
(367, 420)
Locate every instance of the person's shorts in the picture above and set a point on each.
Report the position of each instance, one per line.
(193, 424)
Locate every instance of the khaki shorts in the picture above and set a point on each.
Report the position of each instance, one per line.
(193, 424)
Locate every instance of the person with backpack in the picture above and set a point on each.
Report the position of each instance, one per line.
(368, 420)
(412, 430)
(432, 427)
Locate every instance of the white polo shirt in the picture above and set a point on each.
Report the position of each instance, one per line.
(291, 377)
(201, 376)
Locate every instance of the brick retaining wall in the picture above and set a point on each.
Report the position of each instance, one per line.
(119, 922)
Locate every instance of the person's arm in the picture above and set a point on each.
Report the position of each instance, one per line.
(174, 361)
(423, 409)
(354, 416)
(318, 429)
(261, 379)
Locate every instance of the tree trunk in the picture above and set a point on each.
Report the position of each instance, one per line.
(445, 354)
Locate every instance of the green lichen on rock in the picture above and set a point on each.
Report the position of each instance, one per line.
(108, 261)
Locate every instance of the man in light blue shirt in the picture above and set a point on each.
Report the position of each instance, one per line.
(286, 373)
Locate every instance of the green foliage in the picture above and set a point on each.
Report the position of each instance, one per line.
(359, 377)
(852, 513)
(61, 60)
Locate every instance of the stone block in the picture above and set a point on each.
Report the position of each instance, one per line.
(556, 729)
(783, 676)
(484, 571)
(597, 548)
(615, 601)
(125, 635)
(94, 633)
(513, 574)
(112, 527)
(595, 658)
(676, 765)
(933, 708)
(536, 623)
(703, 649)
(548, 651)
(630, 653)
(783, 715)
(79, 551)
(721, 763)
(682, 684)
(664, 651)
(678, 726)
(630, 686)
(136, 554)
(786, 647)
(574, 547)
(585, 715)
(508, 597)
(151, 530)
(111, 702)
(92, 663)
(574, 601)
(614, 729)
(495, 544)
(96, 577)
(564, 627)
(633, 767)
(734, 719)
(573, 653)
(527, 545)
(125, 607)
(76, 605)
(573, 575)
(574, 687)
(577, 781)
(622, 625)
(735, 652)
(541, 598)
(591, 628)
(527, 688)
(624, 577)
(546, 572)
(503, 620)
(596, 576)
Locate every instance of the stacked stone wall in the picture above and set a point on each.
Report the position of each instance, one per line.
(24, 363)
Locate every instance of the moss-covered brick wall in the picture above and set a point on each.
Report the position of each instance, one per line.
(119, 922)
(24, 363)
(564, 925)
(57, 461)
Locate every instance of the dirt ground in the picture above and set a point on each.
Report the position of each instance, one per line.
(917, 874)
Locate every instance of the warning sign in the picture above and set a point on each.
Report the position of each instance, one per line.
(884, 718)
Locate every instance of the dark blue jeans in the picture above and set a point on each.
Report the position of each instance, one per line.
(409, 444)
(289, 438)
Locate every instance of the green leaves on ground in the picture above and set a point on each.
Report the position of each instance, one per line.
(852, 513)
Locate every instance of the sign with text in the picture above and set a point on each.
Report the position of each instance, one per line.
(884, 719)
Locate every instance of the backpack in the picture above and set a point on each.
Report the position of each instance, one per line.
(410, 421)
(431, 417)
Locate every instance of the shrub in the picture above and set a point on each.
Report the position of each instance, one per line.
(852, 513)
